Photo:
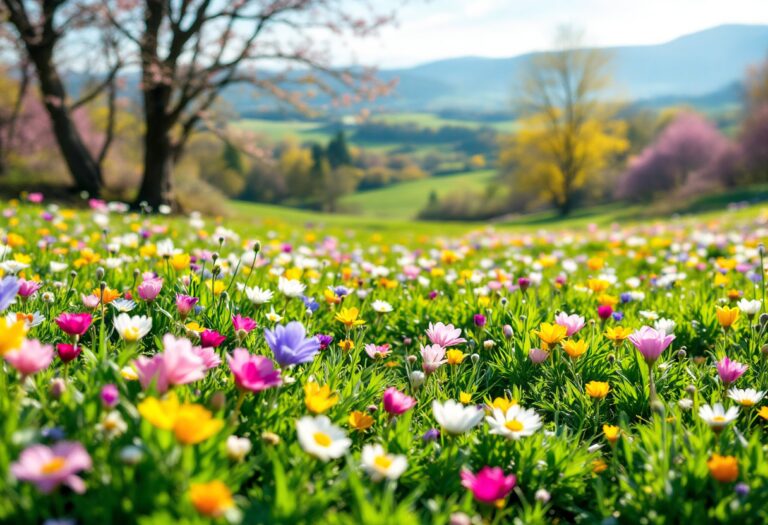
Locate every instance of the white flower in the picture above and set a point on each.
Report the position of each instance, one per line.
(746, 397)
(274, 316)
(651, 316)
(749, 307)
(517, 422)
(685, 403)
(238, 448)
(113, 425)
(132, 328)
(58, 267)
(13, 267)
(716, 416)
(456, 418)
(417, 378)
(321, 438)
(123, 305)
(379, 465)
(381, 307)
(30, 320)
(665, 326)
(290, 287)
(259, 296)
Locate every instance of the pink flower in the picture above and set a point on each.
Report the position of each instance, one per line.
(31, 357)
(650, 342)
(90, 301)
(74, 324)
(396, 402)
(445, 335)
(537, 355)
(432, 357)
(604, 311)
(377, 351)
(243, 324)
(488, 485)
(49, 467)
(572, 323)
(211, 338)
(185, 304)
(27, 288)
(35, 197)
(179, 364)
(209, 356)
(150, 289)
(67, 352)
(729, 371)
(253, 372)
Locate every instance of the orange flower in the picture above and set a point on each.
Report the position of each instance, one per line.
(727, 315)
(360, 420)
(724, 469)
(612, 433)
(575, 349)
(211, 499)
(107, 296)
(597, 389)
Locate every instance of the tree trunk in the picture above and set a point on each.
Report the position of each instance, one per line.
(157, 184)
(81, 164)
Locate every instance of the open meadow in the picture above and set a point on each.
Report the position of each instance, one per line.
(286, 367)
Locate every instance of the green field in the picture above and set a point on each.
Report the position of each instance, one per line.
(405, 200)
(279, 130)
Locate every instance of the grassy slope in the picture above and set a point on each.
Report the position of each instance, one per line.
(405, 200)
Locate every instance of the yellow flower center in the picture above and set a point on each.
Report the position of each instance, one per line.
(54, 465)
(324, 440)
(131, 334)
(383, 462)
(718, 419)
(514, 425)
(747, 403)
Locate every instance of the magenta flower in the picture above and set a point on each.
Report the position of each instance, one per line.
(396, 402)
(243, 325)
(445, 335)
(375, 351)
(432, 357)
(211, 338)
(150, 289)
(67, 352)
(74, 324)
(179, 364)
(572, 323)
(27, 288)
(479, 320)
(604, 311)
(253, 372)
(185, 304)
(650, 342)
(49, 467)
(729, 371)
(31, 357)
(109, 395)
(489, 484)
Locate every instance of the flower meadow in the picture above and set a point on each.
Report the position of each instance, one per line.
(169, 370)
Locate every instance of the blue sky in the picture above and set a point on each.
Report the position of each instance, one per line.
(434, 29)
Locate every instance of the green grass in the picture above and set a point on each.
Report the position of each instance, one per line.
(405, 200)
(430, 120)
(280, 130)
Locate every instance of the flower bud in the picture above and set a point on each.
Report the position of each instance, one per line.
(416, 378)
(475, 358)
(412, 359)
(57, 388)
(508, 332)
(270, 438)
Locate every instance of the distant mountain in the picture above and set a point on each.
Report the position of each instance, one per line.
(690, 66)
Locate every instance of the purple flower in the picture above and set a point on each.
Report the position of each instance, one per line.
(8, 289)
(324, 340)
(650, 342)
(290, 345)
(109, 395)
(479, 320)
(729, 371)
(432, 434)
(617, 316)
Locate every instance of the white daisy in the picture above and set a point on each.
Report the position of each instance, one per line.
(58, 267)
(259, 296)
(749, 307)
(665, 326)
(238, 448)
(381, 307)
(113, 425)
(123, 305)
(30, 320)
(746, 397)
(132, 328)
(454, 417)
(379, 465)
(13, 267)
(717, 417)
(321, 438)
(274, 316)
(517, 422)
(290, 287)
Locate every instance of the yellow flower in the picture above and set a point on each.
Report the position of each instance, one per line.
(763, 412)
(455, 357)
(724, 469)
(180, 261)
(194, 327)
(597, 389)
(319, 398)
(14, 240)
(348, 316)
(617, 334)
(107, 296)
(360, 420)
(148, 250)
(216, 288)
(575, 349)
(727, 315)
(550, 334)
(733, 294)
(211, 499)
(599, 466)
(503, 403)
(598, 285)
(346, 345)
(465, 398)
(331, 297)
(11, 335)
(607, 300)
(190, 423)
(612, 433)
(483, 301)
(293, 273)
(595, 263)
(721, 280)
